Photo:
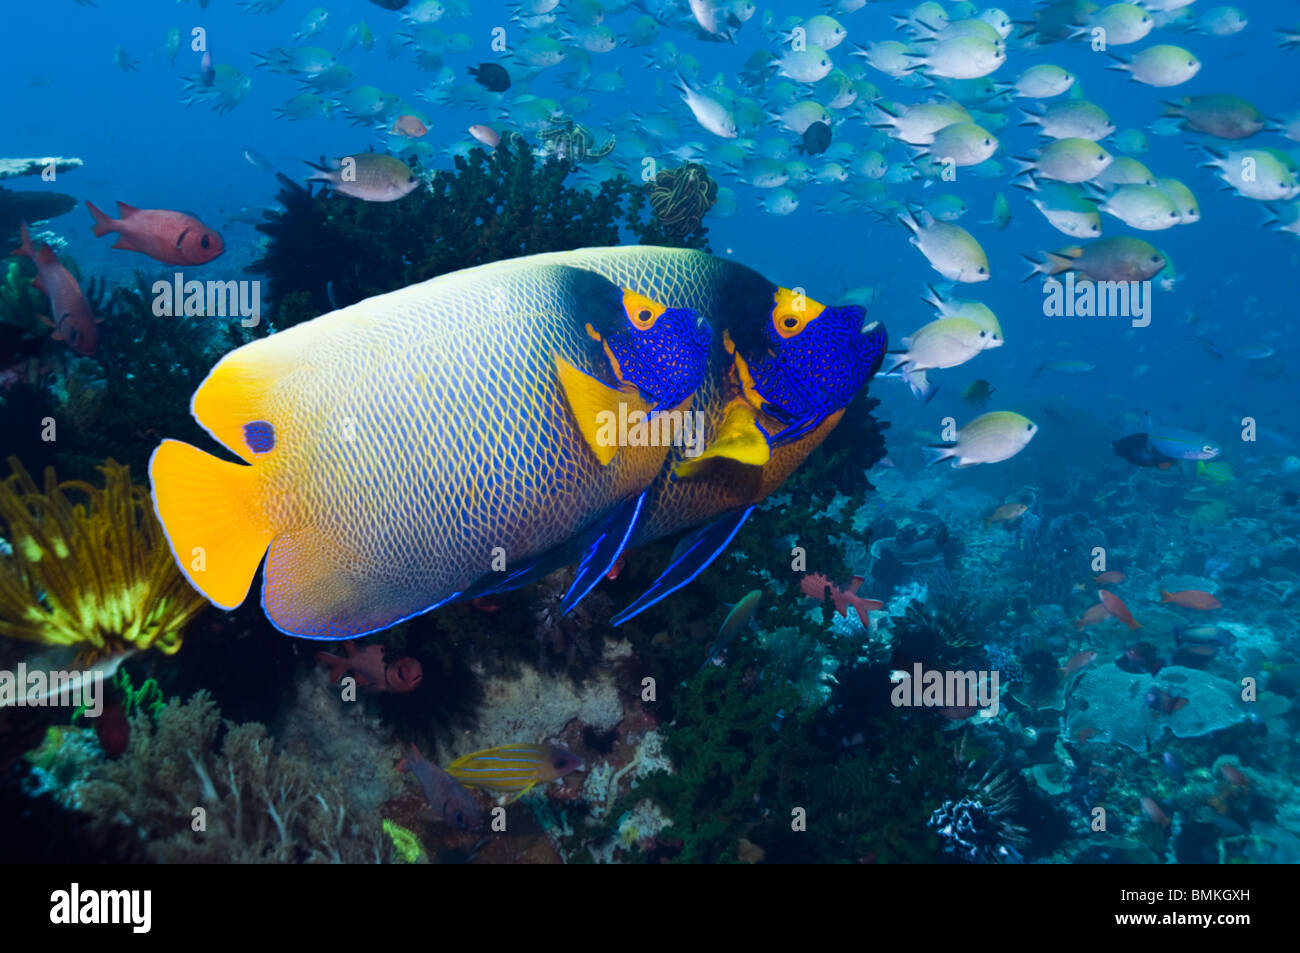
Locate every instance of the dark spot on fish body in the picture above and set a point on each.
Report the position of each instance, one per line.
(260, 436)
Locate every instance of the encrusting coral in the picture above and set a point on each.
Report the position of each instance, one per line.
(194, 800)
(95, 573)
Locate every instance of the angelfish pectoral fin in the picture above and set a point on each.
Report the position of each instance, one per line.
(693, 555)
(596, 408)
(740, 437)
(610, 540)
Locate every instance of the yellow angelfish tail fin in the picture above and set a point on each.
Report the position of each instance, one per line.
(596, 408)
(209, 511)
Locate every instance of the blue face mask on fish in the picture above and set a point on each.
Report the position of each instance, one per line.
(663, 351)
(815, 361)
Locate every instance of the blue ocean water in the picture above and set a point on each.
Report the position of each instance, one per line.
(1216, 359)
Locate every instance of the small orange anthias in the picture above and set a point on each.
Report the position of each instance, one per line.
(371, 671)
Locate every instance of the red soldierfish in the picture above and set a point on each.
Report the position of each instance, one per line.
(1191, 599)
(1117, 608)
(71, 319)
(370, 670)
(173, 238)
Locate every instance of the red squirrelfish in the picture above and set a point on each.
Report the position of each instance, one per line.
(450, 802)
(71, 318)
(170, 237)
(370, 670)
(1191, 599)
(514, 769)
(814, 586)
(1117, 608)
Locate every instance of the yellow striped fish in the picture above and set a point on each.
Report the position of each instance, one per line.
(514, 769)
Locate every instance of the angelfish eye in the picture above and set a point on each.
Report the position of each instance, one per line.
(644, 315)
(560, 762)
(790, 321)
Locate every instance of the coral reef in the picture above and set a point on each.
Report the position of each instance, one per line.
(1111, 706)
(197, 793)
(529, 706)
(96, 573)
(17, 207)
(10, 168)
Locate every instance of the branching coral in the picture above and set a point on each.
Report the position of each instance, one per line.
(96, 574)
(246, 803)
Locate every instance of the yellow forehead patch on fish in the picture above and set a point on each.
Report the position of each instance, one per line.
(742, 372)
(792, 312)
(643, 312)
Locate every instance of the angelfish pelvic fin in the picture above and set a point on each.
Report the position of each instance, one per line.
(693, 555)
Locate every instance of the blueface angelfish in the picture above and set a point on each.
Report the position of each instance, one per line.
(817, 359)
(801, 364)
(392, 446)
